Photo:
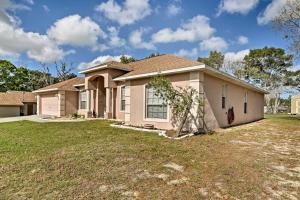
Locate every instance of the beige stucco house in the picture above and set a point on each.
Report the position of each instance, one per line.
(119, 91)
(295, 104)
(17, 103)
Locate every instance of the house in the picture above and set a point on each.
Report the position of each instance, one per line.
(295, 104)
(16, 103)
(113, 90)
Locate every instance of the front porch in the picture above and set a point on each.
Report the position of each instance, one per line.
(101, 97)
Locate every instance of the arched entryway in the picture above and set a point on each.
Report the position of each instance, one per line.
(97, 93)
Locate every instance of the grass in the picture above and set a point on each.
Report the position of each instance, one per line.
(91, 160)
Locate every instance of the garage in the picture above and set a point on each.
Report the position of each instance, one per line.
(49, 105)
(9, 111)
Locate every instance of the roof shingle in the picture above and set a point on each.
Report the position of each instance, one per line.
(16, 98)
(160, 63)
(64, 85)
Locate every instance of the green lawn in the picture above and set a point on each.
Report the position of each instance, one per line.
(91, 160)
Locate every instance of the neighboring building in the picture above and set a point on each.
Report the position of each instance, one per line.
(16, 103)
(295, 104)
(119, 91)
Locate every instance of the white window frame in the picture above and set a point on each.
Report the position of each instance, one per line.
(120, 93)
(79, 100)
(145, 110)
(245, 101)
(224, 94)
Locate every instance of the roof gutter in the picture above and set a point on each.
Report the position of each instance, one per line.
(93, 69)
(203, 67)
(166, 72)
(46, 90)
(102, 67)
(214, 71)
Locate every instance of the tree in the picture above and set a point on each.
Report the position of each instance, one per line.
(63, 72)
(154, 55)
(7, 71)
(126, 60)
(215, 60)
(288, 22)
(181, 100)
(269, 68)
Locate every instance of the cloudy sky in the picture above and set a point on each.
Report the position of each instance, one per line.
(85, 32)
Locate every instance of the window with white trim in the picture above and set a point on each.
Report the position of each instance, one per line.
(245, 102)
(83, 100)
(224, 94)
(123, 98)
(155, 106)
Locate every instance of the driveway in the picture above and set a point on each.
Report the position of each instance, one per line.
(21, 118)
(36, 118)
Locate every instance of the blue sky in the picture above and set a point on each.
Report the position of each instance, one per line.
(86, 32)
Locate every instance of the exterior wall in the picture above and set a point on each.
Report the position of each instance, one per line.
(71, 102)
(120, 115)
(137, 101)
(217, 117)
(294, 100)
(61, 103)
(9, 111)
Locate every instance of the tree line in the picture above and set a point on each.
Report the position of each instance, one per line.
(24, 79)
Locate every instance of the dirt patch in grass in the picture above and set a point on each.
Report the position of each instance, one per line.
(91, 160)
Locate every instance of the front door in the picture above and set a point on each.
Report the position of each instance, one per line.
(29, 109)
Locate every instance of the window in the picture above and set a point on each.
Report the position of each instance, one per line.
(245, 102)
(224, 94)
(155, 106)
(122, 98)
(83, 100)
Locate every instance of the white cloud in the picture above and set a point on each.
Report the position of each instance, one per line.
(174, 8)
(195, 29)
(31, 2)
(46, 8)
(115, 40)
(243, 40)
(236, 6)
(231, 57)
(187, 53)
(136, 40)
(214, 44)
(128, 13)
(270, 12)
(8, 6)
(75, 30)
(99, 60)
(14, 41)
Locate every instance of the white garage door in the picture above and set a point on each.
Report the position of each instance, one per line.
(49, 105)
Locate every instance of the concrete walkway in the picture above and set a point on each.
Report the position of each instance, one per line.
(35, 118)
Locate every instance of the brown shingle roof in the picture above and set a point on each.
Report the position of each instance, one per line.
(16, 98)
(110, 64)
(159, 63)
(64, 85)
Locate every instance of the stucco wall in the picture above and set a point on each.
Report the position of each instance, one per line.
(71, 102)
(235, 99)
(215, 116)
(120, 115)
(295, 99)
(9, 111)
(137, 101)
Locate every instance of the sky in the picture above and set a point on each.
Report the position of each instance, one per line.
(87, 32)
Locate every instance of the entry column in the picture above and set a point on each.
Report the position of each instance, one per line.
(108, 106)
